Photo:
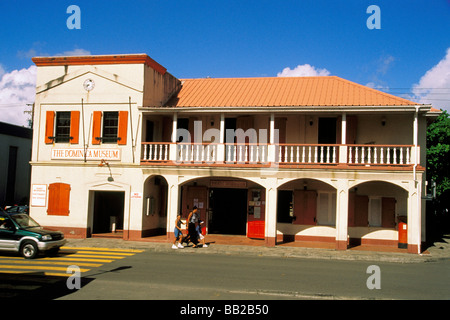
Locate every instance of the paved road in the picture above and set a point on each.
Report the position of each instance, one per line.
(170, 275)
(154, 271)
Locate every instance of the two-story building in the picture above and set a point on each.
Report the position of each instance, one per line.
(122, 145)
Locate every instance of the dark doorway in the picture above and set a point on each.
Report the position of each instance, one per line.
(228, 214)
(327, 131)
(327, 135)
(108, 210)
(285, 211)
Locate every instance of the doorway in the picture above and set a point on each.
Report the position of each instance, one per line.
(327, 131)
(228, 211)
(108, 212)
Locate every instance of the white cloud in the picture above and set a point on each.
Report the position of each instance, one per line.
(74, 52)
(434, 86)
(304, 70)
(384, 63)
(17, 89)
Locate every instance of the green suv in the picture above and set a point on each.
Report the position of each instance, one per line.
(20, 233)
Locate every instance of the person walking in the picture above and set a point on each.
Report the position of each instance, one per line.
(178, 233)
(192, 221)
(199, 233)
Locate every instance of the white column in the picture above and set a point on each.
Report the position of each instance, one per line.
(342, 215)
(173, 146)
(270, 233)
(344, 129)
(272, 148)
(221, 146)
(414, 217)
(343, 147)
(172, 208)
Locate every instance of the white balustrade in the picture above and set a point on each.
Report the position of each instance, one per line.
(379, 155)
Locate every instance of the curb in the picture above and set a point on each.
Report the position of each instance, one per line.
(281, 252)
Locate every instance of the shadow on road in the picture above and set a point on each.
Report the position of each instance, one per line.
(38, 286)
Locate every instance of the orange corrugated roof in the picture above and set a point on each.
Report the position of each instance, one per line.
(280, 91)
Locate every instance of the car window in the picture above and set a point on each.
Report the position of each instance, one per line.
(6, 224)
(24, 221)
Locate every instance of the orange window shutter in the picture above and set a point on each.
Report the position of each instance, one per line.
(96, 127)
(64, 198)
(122, 130)
(49, 125)
(58, 199)
(53, 199)
(74, 127)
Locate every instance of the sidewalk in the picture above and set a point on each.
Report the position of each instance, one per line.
(244, 246)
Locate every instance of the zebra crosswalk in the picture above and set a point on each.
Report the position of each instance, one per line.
(85, 258)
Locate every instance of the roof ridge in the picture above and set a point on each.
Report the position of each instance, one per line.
(255, 78)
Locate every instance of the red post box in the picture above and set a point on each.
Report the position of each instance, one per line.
(402, 235)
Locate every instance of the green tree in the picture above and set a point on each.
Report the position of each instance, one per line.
(438, 153)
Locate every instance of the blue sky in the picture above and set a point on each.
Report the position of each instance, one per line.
(246, 38)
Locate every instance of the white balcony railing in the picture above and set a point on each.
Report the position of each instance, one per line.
(281, 154)
(196, 153)
(246, 153)
(380, 154)
(155, 151)
(307, 154)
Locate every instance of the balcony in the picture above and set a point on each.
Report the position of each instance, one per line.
(307, 155)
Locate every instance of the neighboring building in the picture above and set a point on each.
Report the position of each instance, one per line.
(15, 169)
(122, 144)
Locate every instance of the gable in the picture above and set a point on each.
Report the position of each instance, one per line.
(73, 81)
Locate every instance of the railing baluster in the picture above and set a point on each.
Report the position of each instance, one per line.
(350, 153)
(401, 155)
(407, 155)
(334, 154)
(363, 159)
(375, 150)
(395, 155)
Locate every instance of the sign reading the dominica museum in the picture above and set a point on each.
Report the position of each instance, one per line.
(91, 154)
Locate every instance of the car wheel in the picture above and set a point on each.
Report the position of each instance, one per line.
(29, 250)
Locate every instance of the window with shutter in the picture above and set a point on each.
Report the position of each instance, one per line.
(49, 126)
(122, 130)
(74, 127)
(58, 199)
(96, 127)
(62, 127)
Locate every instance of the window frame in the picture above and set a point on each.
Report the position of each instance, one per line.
(63, 137)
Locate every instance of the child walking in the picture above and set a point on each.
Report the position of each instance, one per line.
(199, 233)
(178, 233)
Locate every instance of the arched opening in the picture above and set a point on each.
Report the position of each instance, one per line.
(375, 209)
(228, 206)
(154, 215)
(306, 211)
